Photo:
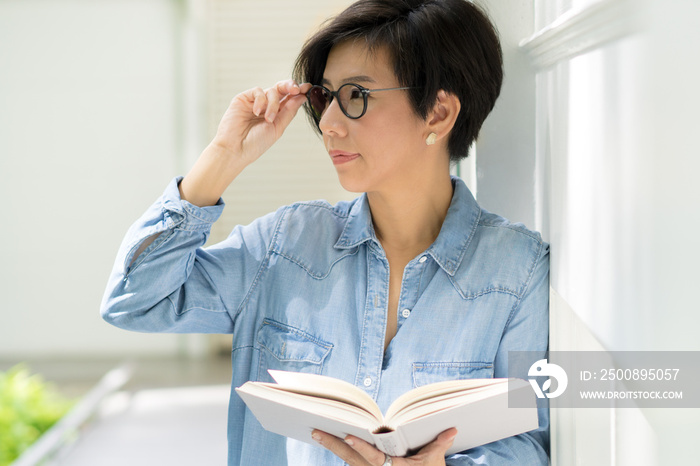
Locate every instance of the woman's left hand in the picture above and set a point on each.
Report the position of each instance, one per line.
(357, 452)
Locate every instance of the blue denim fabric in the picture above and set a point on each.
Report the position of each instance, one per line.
(306, 289)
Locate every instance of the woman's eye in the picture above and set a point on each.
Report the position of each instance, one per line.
(356, 94)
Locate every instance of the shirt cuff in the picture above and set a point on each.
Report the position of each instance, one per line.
(183, 215)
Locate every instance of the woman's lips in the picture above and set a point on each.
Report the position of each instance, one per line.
(339, 156)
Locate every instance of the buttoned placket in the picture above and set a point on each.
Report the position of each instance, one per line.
(371, 358)
(374, 322)
(410, 289)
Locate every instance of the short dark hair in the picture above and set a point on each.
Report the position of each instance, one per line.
(435, 44)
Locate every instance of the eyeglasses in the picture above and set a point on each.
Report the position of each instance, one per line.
(352, 99)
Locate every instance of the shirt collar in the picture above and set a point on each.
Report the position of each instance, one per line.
(452, 241)
(457, 230)
(358, 228)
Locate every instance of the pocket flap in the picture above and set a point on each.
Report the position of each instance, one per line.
(425, 373)
(287, 343)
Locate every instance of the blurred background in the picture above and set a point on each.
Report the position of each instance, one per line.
(102, 104)
(593, 143)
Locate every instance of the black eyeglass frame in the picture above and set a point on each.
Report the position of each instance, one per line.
(335, 95)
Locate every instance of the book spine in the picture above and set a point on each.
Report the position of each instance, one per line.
(391, 443)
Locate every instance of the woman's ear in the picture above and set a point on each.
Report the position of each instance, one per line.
(441, 119)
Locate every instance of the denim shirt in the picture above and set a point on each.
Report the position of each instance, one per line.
(307, 289)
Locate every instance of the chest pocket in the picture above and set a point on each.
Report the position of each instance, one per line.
(425, 373)
(283, 347)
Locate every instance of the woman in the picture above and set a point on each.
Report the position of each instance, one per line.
(411, 283)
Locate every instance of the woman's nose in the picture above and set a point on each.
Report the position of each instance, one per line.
(333, 121)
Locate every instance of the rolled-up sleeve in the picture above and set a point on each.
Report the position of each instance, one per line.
(175, 285)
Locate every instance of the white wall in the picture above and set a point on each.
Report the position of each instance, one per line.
(615, 195)
(505, 155)
(88, 139)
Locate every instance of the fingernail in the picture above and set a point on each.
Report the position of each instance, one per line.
(316, 437)
(349, 441)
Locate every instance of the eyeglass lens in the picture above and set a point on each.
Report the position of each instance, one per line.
(350, 97)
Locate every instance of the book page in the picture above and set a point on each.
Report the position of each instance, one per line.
(443, 402)
(437, 389)
(326, 387)
(331, 409)
(295, 416)
(480, 422)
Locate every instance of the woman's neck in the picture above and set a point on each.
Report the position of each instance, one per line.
(408, 219)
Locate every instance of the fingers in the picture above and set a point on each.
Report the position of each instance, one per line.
(271, 101)
(447, 438)
(292, 97)
(288, 87)
(259, 100)
(273, 104)
(439, 446)
(339, 448)
(357, 452)
(367, 451)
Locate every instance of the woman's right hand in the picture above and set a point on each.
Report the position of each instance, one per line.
(253, 122)
(257, 118)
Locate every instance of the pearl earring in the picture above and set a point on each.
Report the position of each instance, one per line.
(430, 140)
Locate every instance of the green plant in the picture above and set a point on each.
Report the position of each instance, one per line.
(29, 406)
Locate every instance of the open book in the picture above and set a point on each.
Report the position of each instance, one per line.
(478, 408)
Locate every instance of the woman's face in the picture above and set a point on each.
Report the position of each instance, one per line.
(385, 148)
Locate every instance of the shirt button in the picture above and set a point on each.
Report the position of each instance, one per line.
(422, 259)
(367, 381)
(405, 313)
